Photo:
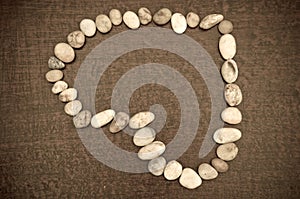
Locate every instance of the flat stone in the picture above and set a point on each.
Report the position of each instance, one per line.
(54, 75)
(229, 71)
(220, 165)
(227, 152)
(225, 27)
(210, 21)
(231, 115)
(54, 63)
(156, 166)
(233, 94)
(141, 120)
(207, 172)
(173, 170)
(115, 16)
(102, 118)
(88, 27)
(73, 108)
(68, 95)
(144, 136)
(131, 20)
(76, 39)
(162, 17)
(103, 23)
(190, 179)
(82, 119)
(64, 52)
(178, 23)
(145, 15)
(152, 150)
(59, 86)
(119, 122)
(192, 19)
(227, 135)
(227, 46)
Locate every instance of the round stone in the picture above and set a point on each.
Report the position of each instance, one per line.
(59, 86)
(152, 150)
(141, 120)
(131, 20)
(76, 39)
(227, 46)
(162, 17)
(144, 136)
(103, 23)
(173, 170)
(68, 95)
(115, 16)
(227, 152)
(102, 118)
(207, 172)
(145, 15)
(88, 27)
(227, 135)
(230, 71)
(120, 121)
(231, 115)
(54, 63)
(220, 165)
(156, 166)
(192, 19)
(178, 23)
(190, 179)
(210, 21)
(225, 27)
(73, 108)
(233, 94)
(64, 52)
(54, 75)
(82, 119)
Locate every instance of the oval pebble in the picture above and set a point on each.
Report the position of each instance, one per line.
(152, 150)
(88, 27)
(233, 94)
(145, 15)
(141, 120)
(102, 118)
(156, 166)
(231, 115)
(54, 75)
(178, 23)
(59, 86)
(162, 17)
(144, 136)
(173, 170)
(190, 179)
(227, 135)
(225, 27)
(115, 16)
(76, 39)
(68, 95)
(119, 122)
(82, 119)
(220, 165)
(73, 108)
(229, 71)
(227, 46)
(131, 20)
(207, 172)
(54, 63)
(103, 23)
(210, 21)
(227, 152)
(192, 19)
(64, 52)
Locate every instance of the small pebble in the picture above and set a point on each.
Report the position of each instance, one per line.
(231, 115)
(103, 23)
(227, 46)
(210, 21)
(227, 152)
(227, 135)
(88, 27)
(141, 120)
(54, 75)
(178, 23)
(102, 118)
(233, 94)
(156, 166)
(115, 16)
(225, 27)
(190, 179)
(82, 119)
(220, 165)
(162, 17)
(76, 39)
(145, 15)
(73, 108)
(207, 172)
(54, 63)
(64, 52)
(173, 170)
(59, 86)
(68, 95)
(120, 121)
(144, 136)
(131, 20)
(152, 150)
(229, 71)
(192, 19)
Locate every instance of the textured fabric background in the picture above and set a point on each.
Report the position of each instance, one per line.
(41, 155)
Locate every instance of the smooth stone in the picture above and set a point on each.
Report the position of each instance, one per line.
(115, 16)
(103, 23)
(227, 152)
(73, 108)
(207, 172)
(131, 20)
(82, 119)
(152, 150)
(178, 23)
(64, 52)
(68, 95)
(192, 19)
(220, 165)
(231, 115)
(227, 46)
(173, 170)
(162, 17)
(54, 75)
(233, 94)
(102, 118)
(54, 63)
(225, 27)
(76, 39)
(88, 27)
(210, 21)
(119, 122)
(157, 165)
(59, 86)
(229, 71)
(144, 136)
(190, 179)
(141, 120)
(227, 135)
(145, 15)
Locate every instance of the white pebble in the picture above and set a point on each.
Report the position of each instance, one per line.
(131, 20)
(233, 94)
(231, 115)
(103, 23)
(207, 172)
(82, 119)
(144, 136)
(173, 170)
(76, 39)
(141, 120)
(190, 179)
(59, 86)
(73, 108)
(64, 52)
(67, 95)
(88, 27)
(152, 150)
(156, 166)
(210, 21)
(115, 16)
(178, 23)
(54, 75)
(227, 152)
(227, 135)
(120, 121)
(102, 118)
(145, 15)
(192, 19)
(230, 71)
(227, 46)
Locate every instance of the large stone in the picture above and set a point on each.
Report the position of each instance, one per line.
(102, 118)
(152, 150)
(227, 152)
(173, 170)
(156, 166)
(141, 120)
(144, 136)
(190, 179)
(207, 172)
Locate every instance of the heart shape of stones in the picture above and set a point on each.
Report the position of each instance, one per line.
(145, 136)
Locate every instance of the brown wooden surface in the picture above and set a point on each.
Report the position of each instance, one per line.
(42, 156)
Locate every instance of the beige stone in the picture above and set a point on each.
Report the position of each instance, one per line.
(82, 119)
(227, 135)
(144, 136)
(103, 23)
(231, 115)
(102, 118)
(229, 71)
(115, 16)
(162, 17)
(54, 75)
(152, 150)
(220, 165)
(227, 152)
(192, 19)
(210, 21)
(54, 63)
(225, 27)
(145, 15)
(120, 121)
(173, 170)
(141, 120)
(227, 46)
(67, 95)
(64, 52)
(73, 108)
(190, 179)
(156, 166)
(131, 20)
(233, 94)
(59, 86)
(207, 172)
(76, 39)
(88, 27)
(178, 23)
